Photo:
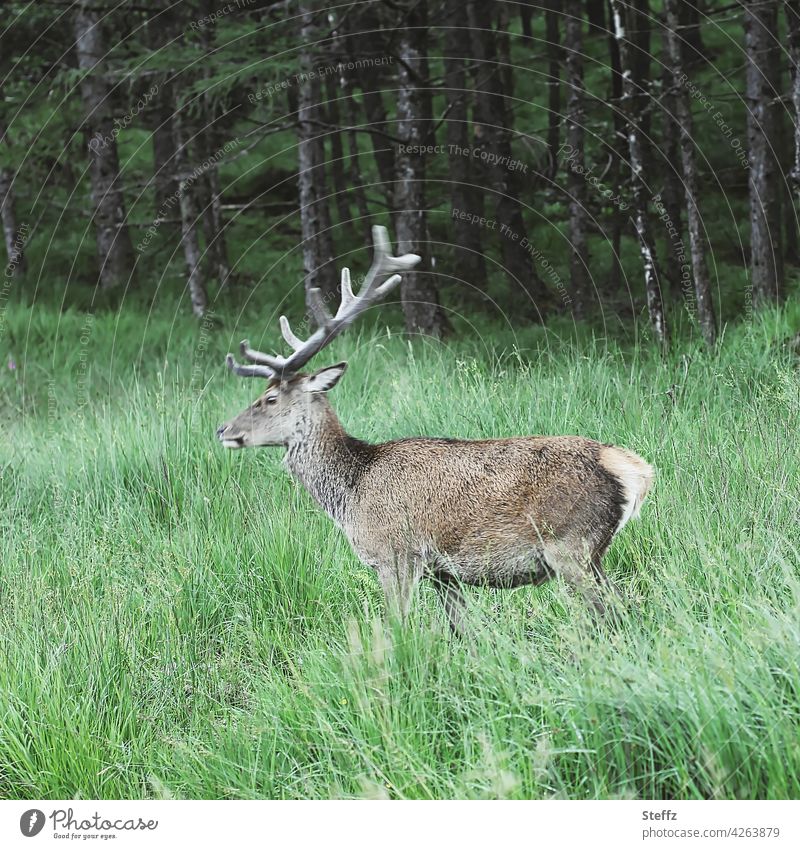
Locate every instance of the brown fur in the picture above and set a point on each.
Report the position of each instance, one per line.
(494, 512)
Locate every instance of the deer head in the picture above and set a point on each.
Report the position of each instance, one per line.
(293, 402)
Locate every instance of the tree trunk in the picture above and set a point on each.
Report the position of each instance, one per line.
(332, 86)
(524, 17)
(694, 220)
(576, 180)
(494, 140)
(315, 220)
(692, 48)
(421, 308)
(186, 181)
(619, 152)
(763, 90)
(672, 193)
(655, 305)
(554, 53)
(792, 9)
(13, 235)
(163, 153)
(354, 169)
(114, 248)
(469, 265)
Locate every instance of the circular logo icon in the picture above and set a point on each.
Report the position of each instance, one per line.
(31, 822)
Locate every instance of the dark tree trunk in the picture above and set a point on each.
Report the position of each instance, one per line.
(504, 56)
(13, 235)
(315, 218)
(524, 18)
(596, 13)
(214, 223)
(763, 90)
(421, 308)
(186, 180)
(692, 48)
(672, 193)
(792, 8)
(114, 248)
(619, 153)
(694, 220)
(469, 264)
(332, 88)
(639, 32)
(551, 17)
(163, 153)
(354, 168)
(655, 305)
(494, 139)
(576, 180)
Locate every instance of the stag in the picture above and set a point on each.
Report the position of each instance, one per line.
(489, 512)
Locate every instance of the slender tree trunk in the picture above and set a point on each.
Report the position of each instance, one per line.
(332, 87)
(469, 264)
(655, 305)
(114, 248)
(694, 220)
(494, 139)
(187, 187)
(13, 235)
(672, 193)
(576, 180)
(315, 217)
(214, 225)
(619, 152)
(792, 9)
(163, 153)
(525, 17)
(692, 48)
(419, 297)
(354, 169)
(553, 9)
(763, 91)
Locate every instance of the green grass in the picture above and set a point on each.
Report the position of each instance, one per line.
(178, 621)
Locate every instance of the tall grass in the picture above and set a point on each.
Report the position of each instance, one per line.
(178, 621)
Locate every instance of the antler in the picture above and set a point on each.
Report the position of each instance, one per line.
(381, 278)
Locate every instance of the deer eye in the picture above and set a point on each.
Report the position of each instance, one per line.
(271, 399)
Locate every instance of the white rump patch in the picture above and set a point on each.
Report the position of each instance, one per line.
(635, 477)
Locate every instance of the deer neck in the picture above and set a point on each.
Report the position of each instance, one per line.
(327, 461)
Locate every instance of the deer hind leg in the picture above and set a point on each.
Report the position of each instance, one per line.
(584, 573)
(398, 578)
(452, 597)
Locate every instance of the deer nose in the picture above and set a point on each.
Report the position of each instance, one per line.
(220, 430)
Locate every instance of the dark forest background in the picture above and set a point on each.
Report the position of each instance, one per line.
(619, 163)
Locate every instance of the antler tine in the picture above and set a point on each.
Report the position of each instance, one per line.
(381, 278)
(383, 262)
(294, 341)
(249, 371)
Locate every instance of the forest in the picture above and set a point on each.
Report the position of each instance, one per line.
(604, 197)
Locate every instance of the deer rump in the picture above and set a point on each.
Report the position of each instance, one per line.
(498, 513)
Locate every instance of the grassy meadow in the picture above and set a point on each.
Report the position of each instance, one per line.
(180, 621)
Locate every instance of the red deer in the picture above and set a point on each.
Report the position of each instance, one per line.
(489, 512)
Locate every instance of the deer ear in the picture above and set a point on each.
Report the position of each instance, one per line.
(324, 379)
